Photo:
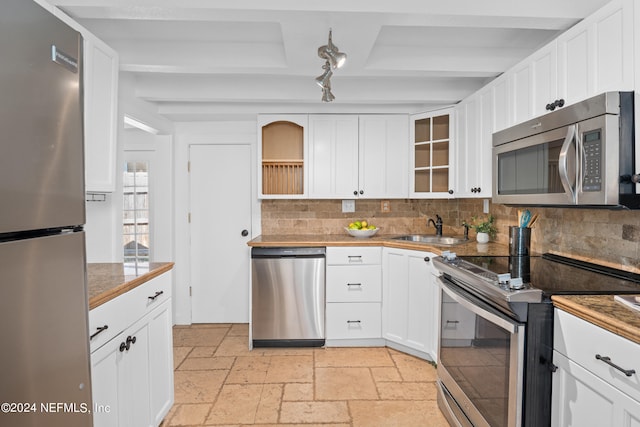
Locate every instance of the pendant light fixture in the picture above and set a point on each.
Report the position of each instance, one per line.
(334, 59)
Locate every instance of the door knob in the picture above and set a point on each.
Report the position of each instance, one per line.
(244, 233)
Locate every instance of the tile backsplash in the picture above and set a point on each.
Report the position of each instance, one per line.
(610, 237)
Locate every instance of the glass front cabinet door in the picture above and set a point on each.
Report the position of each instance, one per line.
(431, 154)
(282, 150)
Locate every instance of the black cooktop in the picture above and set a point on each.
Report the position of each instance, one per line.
(557, 275)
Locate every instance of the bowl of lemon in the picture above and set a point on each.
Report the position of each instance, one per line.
(361, 229)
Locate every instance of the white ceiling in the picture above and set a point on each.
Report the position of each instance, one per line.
(220, 59)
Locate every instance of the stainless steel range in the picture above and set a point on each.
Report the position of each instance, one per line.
(496, 333)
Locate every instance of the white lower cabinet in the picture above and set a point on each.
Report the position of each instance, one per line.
(410, 301)
(353, 320)
(354, 295)
(132, 373)
(588, 391)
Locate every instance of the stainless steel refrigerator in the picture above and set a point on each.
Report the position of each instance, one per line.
(44, 347)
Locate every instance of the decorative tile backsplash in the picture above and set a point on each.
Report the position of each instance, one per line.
(611, 237)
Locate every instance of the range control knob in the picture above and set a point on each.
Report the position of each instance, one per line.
(504, 278)
(516, 283)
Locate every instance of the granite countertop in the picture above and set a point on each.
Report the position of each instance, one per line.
(109, 280)
(470, 248)
(603, 311)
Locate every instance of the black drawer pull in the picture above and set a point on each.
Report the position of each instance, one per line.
(98, 330)
(354, 284)
(153, 298)
(607, 360)
(353, 321)
(453, 321)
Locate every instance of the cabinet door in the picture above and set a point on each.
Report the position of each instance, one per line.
(579, 398)
(282, 156)
(333, 156)
(432, 154)
(105, 363)
(383, 155)
(544, 78)
(410, 300)
(421, 330)
(597, 54)
(101, 68)
(133, 376)
(502, 118)
(101, 114)
(160, 361)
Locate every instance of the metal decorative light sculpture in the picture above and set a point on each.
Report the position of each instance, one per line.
(334, 59)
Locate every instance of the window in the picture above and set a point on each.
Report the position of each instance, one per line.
(135, 222)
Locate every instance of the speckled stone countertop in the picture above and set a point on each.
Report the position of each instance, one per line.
(471, 248)
(603, 311)
(108, 280)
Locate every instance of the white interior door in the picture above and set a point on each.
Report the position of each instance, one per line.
(220, 199)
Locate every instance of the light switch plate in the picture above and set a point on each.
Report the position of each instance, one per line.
(348, 206)
(485, 206)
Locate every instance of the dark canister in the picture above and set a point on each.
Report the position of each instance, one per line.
(519, 241)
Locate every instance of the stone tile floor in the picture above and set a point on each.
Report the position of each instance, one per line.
(219, 382)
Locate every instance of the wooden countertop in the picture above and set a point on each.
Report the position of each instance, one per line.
(108, 280)
(470, 248)
(603, 311)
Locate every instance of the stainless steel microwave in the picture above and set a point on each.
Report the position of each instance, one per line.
(582, 155)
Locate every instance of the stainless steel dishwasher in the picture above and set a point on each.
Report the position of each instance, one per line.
(288, 297)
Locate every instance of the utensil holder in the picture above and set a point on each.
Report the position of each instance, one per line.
(519, 241)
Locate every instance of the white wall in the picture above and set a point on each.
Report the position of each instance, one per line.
(186, 134)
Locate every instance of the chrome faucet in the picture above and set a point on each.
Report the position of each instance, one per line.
(437, 224)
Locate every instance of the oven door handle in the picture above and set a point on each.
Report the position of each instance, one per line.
(566, 162)
(505, 324)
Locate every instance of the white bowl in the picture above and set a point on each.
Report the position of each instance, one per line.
(362, 233)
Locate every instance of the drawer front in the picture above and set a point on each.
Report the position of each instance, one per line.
(109, 319)
(354, 320)
(354, 283)
(582, 341)
(122, 311)
(354, 255)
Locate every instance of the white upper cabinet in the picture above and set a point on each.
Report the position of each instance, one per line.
(594, 56)
(597, 55)
(358, 156)
(101, 67)
(333, 156)
(282, 155)
(432, 154)
(383, 155)
(474, 129)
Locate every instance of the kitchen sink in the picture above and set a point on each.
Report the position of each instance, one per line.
(432, 240)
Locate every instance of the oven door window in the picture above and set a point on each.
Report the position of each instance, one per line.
(481, 358)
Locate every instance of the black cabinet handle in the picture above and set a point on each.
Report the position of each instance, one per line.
(245, 233)
(607, 360)
(98, 330)
(153, 298)
(353, 321)
(127, 345)
(355, 193)
(361, 191)
(450, 191)
(427, 259)
(455, 322)
(354, 284)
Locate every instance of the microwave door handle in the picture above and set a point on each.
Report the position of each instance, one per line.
(563, 164)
